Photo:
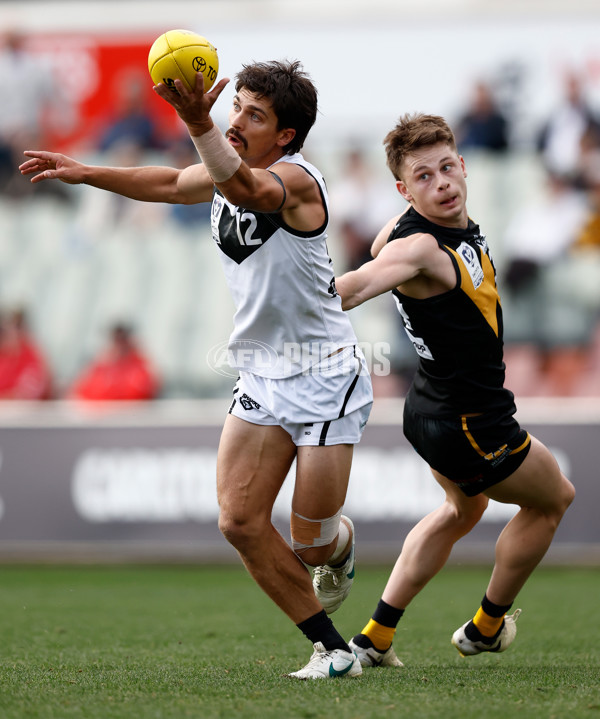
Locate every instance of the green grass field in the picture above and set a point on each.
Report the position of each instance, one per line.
(177, 642)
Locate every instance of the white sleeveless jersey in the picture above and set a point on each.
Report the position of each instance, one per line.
(288, 313)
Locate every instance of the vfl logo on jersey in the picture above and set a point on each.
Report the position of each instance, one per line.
(471, 261)
(239, 232)
(216, 210)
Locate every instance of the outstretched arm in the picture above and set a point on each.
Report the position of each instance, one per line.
(397, 262)
(150, 184)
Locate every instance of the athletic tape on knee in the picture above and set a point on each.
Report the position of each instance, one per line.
(219, 158)
(344, 536)
(307, 533)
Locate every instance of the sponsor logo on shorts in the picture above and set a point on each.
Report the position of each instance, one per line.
(495, 458)
(248, 403)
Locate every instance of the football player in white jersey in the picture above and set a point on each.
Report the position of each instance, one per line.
(304, 392)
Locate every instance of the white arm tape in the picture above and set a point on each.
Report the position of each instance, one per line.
(219, 158)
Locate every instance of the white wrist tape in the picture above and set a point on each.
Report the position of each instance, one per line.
(219, 158)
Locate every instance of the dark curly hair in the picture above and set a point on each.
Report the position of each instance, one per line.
(291, 92)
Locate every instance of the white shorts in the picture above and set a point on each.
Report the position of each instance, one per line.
(328, 405)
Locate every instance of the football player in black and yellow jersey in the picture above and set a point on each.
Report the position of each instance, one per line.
(458, 414)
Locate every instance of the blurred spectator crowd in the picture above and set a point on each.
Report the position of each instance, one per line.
(120, 371)
(103, 298)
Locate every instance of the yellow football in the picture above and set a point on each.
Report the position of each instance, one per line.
(181, 54)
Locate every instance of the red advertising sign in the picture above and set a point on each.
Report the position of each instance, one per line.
(94, 74)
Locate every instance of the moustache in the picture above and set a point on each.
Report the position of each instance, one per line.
(234, 133)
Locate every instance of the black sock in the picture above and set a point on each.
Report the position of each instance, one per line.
(384, 618)
(494, 610)
(387, 615)
(363, 641)
(319, 628)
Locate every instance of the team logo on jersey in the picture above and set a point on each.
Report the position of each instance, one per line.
(239, 232)
(471, 261)
(332, 289)
(215, 216)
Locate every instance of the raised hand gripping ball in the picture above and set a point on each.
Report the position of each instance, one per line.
(181, 54)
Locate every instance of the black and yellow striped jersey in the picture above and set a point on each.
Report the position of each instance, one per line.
(457, 334)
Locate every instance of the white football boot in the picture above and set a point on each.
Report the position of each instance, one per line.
(502, 641)
(371, 657)
(326, 664)
(333, 584)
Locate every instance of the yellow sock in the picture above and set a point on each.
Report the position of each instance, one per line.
(382, 637)
(486, 624)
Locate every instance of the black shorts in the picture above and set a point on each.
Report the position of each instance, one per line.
(474, 452)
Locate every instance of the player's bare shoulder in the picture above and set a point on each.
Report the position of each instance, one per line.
(383, 235)
(298, 183)
(303, 208)
(419, 249)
